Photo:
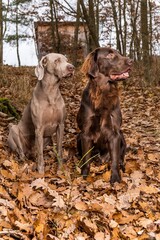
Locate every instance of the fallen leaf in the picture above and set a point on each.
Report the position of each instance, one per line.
(144, 222)
(136, 177)
(125, 199)
(6, 203)
(39, 183)
(3, 211)
(40, 223)
(81, 206)
(99, 236)
(7, 174)
(154, 157)
(7, 163)
(95, 206)
(111, 199)
(124, 217)
(131, 166)
(151, 189)
(39, 199)
(113, 224)
(130, 232)
(115, 234)
(106, 176)
(108, 209)
(80, 238)
(100, 184)
(90, 224)
(24, 226)
(158, 236)
(57, 200)
(4, 193)
(50, 236)
(4, 224)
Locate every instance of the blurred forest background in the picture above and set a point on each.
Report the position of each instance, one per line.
(131, 26)
(63, 206)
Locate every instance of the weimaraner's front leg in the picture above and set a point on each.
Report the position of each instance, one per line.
(39, 146)
(59, 135)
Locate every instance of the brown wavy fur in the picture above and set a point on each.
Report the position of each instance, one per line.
(87, 63)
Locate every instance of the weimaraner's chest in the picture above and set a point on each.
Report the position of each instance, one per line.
(48, 114)
(51, 119)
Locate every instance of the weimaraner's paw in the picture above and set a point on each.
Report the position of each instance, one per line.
(41, 169)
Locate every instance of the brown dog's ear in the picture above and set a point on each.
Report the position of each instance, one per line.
(90, 67)
(39, 70)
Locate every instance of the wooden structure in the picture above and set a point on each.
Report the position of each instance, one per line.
(66, 33)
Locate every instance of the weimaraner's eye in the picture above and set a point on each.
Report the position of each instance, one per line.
(58, 60)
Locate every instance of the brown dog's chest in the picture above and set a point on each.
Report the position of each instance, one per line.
(106, 116)
(102, 124)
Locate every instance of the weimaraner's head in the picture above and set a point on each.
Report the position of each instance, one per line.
(54, 64)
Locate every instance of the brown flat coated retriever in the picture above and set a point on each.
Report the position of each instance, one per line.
(99, 117)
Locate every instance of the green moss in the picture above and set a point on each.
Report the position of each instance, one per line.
(6, 107)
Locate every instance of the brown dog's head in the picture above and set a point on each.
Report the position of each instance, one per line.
(108, 62)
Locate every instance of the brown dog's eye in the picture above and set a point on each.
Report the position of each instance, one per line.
(110, 56)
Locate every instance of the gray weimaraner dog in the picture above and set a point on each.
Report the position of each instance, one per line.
(45, 113)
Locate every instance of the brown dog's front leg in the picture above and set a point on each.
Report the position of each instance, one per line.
(39, 146)
(122, 152)
(86, 156)
(114, 148)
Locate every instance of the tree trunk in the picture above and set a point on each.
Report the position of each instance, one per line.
(75, 43)
(135, 51)
(58, 45)
(17, 36)
(125, 28)
(90, 21)
(150, 28)
(145, 40)
(115, 19)
(1, 34)
(52, 26)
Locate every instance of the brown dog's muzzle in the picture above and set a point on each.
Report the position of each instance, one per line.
(123, 74)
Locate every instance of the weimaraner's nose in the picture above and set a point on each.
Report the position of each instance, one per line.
(70, 67)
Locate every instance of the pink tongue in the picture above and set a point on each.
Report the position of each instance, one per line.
(120, 76)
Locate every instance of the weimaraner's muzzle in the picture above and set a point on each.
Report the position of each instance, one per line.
(45, 113)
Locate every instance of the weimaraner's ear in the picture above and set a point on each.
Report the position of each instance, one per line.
(39, 70)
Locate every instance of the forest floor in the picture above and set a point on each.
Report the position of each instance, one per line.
(63, 206)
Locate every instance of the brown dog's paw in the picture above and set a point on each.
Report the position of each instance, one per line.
(85, 172)
(122, 166)
(115, 177)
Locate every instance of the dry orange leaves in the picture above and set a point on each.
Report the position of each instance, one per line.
(63, 206)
